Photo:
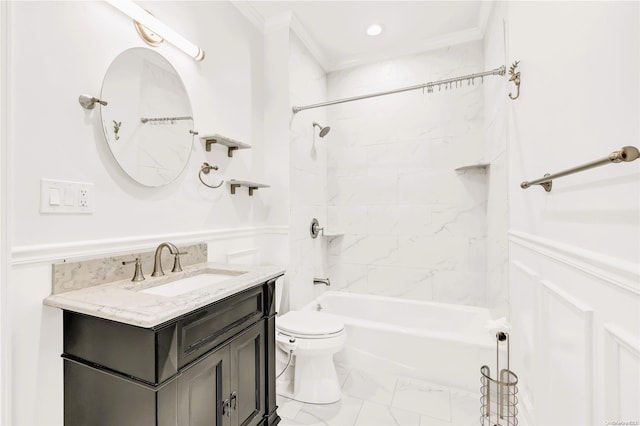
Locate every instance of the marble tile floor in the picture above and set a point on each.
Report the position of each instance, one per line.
(379, 399)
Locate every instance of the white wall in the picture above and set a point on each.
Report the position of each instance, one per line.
(575, 251)
(59, 50)
(308, 171)
(275, 246)
(413, 226)
(495, 139)
(5, 247)
(53, 137)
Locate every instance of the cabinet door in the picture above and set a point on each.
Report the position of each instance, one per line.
(203, 391)
(248, 377)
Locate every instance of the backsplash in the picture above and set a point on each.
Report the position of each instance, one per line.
(69, 276)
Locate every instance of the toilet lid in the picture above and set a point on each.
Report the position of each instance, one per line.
(310, 323)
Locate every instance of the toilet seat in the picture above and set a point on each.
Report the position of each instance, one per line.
(309, 324)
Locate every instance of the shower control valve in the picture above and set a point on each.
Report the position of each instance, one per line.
(315, 228)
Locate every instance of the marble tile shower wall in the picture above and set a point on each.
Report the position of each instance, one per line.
(413, 226)
(308, 173)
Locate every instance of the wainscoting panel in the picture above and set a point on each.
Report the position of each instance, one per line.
(566, 330)
(575, 344)
(524, 295)
(621, 374)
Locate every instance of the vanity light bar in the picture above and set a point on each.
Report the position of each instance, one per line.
(149, 21)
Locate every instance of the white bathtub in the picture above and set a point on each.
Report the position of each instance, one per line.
(442, 343)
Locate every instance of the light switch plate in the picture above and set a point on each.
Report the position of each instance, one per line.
(65, 197)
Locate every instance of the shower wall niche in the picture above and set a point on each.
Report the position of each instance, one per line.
(414, 226)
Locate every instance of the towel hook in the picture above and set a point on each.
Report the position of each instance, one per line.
(206, 168)
(515, 77)
(89, 102)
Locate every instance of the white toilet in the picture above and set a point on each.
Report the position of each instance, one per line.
(312, 338)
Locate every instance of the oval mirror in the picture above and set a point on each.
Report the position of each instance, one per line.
(148, 120)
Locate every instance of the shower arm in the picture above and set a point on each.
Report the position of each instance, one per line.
(429, 86)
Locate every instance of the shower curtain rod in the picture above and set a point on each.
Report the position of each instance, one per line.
(429, 86)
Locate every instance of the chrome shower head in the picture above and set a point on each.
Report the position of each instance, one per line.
(323, 130)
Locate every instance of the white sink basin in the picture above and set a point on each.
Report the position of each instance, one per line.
(185, 285)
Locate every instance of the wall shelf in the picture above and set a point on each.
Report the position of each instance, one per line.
(231, 144)
(251, 185)
(332, 232)
(471, 166)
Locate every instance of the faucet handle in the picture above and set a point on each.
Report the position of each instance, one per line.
(176, 261)
(137, 274)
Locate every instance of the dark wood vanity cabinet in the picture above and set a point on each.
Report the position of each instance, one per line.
(213, 366)
(233, 377)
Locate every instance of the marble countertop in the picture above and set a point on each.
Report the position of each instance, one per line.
(122, 300)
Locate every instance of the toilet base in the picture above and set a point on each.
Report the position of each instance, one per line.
(315, 381)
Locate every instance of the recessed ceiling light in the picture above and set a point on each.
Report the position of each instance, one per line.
(374, 30)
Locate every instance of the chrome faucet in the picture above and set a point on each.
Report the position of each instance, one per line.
(157, 260)
(324, 281)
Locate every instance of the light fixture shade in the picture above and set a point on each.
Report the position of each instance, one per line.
(149, 21)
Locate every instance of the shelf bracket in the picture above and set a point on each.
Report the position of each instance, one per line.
(210, 142)
(230, 144)
(237, 185)
(251, 186)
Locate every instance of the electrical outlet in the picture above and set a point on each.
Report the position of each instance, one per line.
(84, 198)
(65, 197)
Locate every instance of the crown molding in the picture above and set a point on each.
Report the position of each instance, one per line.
(247, 10)
(278, 22)
(288, 19)
(309, 42)
(328, 65)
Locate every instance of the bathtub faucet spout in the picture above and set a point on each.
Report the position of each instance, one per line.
(324, 281)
